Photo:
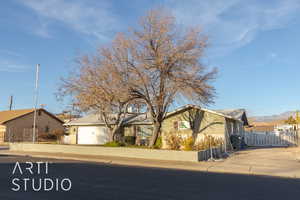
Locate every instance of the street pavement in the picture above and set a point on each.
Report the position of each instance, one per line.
(280, 162)
(91, 180)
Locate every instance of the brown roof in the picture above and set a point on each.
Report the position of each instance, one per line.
(8, 115)
(12, 114)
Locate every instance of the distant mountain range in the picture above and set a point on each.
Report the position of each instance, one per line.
(270, 118)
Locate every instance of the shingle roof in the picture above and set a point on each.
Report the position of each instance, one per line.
(142, 118)
(86, 120)
(94, 119)
(236, 113)
(188, 106)
(8, 115)
(12, 114)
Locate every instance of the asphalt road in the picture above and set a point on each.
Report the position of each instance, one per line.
(105, 181)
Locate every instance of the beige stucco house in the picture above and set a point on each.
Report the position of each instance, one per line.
(186, 120)
(17, 125)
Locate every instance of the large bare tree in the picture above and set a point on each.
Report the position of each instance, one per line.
(163, 64)
(156, 63)
(99, 88)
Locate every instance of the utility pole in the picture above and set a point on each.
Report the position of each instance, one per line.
(35, 101)
(10, 102)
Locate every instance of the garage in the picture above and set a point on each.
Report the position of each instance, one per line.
(92, 135)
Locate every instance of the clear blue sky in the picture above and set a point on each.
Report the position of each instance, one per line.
(255, 45)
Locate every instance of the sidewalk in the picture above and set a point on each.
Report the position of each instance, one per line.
(280, 162)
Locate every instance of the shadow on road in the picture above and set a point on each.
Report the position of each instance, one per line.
(105, 181)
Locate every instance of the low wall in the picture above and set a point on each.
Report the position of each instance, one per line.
(109, 151)
(214, 153)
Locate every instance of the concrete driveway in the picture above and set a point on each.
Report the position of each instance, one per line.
(263, 161)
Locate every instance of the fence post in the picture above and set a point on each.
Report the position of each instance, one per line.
(211, 152)
(280, 139)
(256, 140)
(37, 135)
(9, 136)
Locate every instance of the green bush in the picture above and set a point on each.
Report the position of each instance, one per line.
(113, 144)
(158, 143)
(129, 140)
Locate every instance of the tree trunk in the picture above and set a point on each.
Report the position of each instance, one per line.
(115, 131)
(155, 135)
(112, 133)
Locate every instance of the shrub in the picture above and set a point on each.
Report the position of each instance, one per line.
(58, 133)
(46, 136)
(129, 140)
(54, 135)
(188, 143)
(158, 143)
(113, 144)
(207, 142)
(174, 141)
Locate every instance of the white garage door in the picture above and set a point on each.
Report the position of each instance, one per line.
(92, 135)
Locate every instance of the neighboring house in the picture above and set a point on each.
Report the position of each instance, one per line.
(188, 120)
(285, 128)
(92, 130)
(17, 125)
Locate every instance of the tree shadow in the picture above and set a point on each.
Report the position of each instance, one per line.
(106, 181)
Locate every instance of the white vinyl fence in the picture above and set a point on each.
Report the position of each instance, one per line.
(271, 139)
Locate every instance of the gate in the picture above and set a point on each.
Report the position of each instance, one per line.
(271, 139)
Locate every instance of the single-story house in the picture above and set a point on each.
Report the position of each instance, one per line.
(92, 130)
(17, 125)
(188, 120)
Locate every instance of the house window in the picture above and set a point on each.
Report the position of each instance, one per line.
(47, 129)
(181, 125)
(39, 112)
(144, 131)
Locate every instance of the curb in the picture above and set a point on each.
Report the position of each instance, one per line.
(212, 168)
(108, 161)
